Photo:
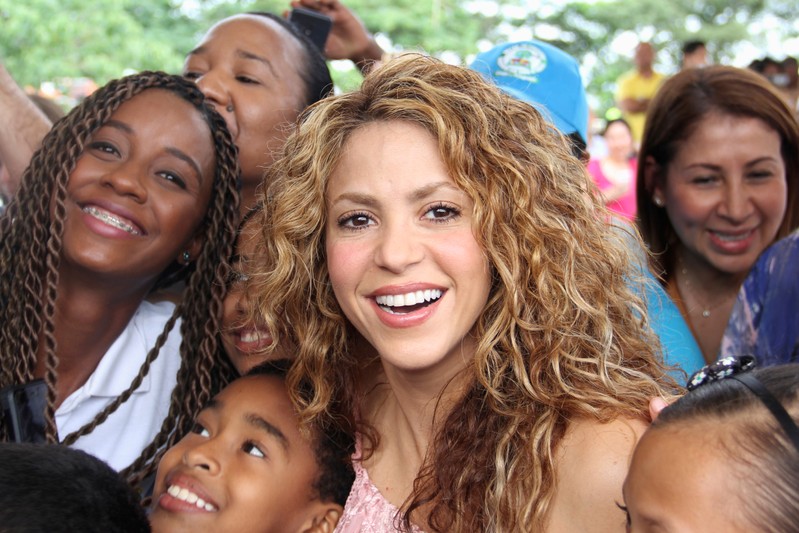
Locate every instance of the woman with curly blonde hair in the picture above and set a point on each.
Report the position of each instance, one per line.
(442, 263)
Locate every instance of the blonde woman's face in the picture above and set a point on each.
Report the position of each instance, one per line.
(403, 260)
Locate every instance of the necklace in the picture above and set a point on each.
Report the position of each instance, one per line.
(706, 310)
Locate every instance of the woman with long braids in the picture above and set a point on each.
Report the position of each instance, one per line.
(136, 187)
(454, 292)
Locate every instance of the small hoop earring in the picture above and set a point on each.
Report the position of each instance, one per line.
(186, 257)
(229, 108)
(658, 201)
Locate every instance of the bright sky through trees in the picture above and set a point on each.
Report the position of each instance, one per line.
(44, 40)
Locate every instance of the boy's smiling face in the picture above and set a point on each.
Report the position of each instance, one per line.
(244, 468)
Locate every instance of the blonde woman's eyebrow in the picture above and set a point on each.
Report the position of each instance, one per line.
(418, 194)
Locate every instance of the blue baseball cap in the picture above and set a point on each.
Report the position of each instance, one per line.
(541, 75)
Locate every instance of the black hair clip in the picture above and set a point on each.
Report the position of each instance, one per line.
(723, 368)
(736, 368)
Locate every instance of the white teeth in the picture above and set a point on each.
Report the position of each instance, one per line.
(111, 220)
(732, 238)
(251, 336)
(408, 299)
(184, 494)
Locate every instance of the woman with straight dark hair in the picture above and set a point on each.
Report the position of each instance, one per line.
(718, 182)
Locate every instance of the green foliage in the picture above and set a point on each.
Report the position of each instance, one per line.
(433, 26)
(48, 39)
(588, 31)
(102, 39)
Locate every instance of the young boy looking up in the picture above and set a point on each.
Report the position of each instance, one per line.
(247, 468)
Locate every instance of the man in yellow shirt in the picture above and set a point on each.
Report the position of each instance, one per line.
(636, 88)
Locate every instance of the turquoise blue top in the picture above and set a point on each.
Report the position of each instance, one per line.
(678, 343)
(680, 349)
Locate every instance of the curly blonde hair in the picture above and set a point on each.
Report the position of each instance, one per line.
(561, 336)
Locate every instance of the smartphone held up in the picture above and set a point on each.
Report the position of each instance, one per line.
(313, 24)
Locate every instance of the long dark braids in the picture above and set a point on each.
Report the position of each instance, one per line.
(30, 245)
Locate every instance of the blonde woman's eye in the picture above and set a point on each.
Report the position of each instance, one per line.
(442, 213)
(355, 221)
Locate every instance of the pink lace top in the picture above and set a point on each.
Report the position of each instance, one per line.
(366, 510)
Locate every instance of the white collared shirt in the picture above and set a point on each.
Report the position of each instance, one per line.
(128, 430)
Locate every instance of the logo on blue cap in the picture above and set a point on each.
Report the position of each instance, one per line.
(543, 76)
(521, 61)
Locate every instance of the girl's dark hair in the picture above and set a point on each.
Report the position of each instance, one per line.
(44, 487)
(316, 74)
(31, 234)
(759, 450)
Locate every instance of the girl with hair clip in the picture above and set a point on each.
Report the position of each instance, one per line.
(455, 294)
(725, 457)
(135, 188)
(718, 182)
